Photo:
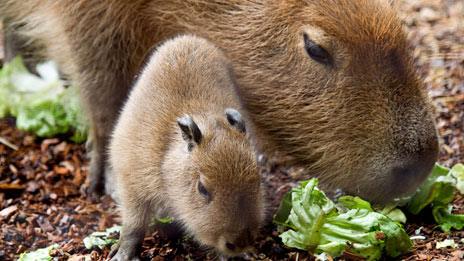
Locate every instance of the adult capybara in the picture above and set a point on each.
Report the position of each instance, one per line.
(328, 82)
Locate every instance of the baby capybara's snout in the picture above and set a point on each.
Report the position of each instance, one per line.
(243, 240)
(237, 242)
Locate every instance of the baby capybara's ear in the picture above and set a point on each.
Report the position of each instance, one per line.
(235, 119)
(190, 131)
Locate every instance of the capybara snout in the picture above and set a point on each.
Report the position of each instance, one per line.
(380, 115)
(415, 150)
(347, 103)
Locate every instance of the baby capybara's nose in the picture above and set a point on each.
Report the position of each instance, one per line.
(243, 240)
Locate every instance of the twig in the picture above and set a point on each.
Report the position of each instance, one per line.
(8, 144)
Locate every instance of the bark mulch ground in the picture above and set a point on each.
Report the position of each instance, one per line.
(42, 181)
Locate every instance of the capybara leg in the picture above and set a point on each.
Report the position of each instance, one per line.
(135, 221)
(102, 100)
(97, 164)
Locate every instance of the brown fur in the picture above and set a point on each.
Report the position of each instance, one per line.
(154, 168)
(363, 125)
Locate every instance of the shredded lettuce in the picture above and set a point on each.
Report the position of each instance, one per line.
(317, 225)
(42, 254)
(437, 192)
(390, 210)
(41, 104)
(394, 213)
(446, 243)
(458, 173)
(439, 187)
(102, 239)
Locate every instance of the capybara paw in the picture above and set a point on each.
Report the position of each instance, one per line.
(96, 188)
(120, 256)
(96, 177)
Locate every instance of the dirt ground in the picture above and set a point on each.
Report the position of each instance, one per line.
(42, 181)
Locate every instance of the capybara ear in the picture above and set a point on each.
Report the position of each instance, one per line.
(235, 119)
(190, 131)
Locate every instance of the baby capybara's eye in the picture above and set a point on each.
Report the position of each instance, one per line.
(203, 191)
(316, 52)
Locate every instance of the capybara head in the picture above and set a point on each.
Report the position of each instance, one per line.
(336, 89)
(214, 185)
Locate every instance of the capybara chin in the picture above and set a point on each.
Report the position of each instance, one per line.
(328, 82)
(180, 149)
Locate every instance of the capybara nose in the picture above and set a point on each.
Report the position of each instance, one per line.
(243, 240)
(414, 169)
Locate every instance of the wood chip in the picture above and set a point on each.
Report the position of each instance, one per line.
(8, 144)
(6, 212)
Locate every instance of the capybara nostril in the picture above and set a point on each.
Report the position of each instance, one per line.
(404, 172)
(230, 246)
(240, 241)
(413, 170)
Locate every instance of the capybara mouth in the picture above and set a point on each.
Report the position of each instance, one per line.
(226, 252)
(234, 248)
(402, 182)
(412, 171)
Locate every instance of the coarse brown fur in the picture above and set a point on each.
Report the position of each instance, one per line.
(157, 171)
(362, 124)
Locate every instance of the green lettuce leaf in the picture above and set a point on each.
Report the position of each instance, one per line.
(394, 213)
(437, 192)
(6, 86)
(351, 202)
(457, 171)
(390, 211)
(317, 225)
(446, 243)
(281, 216)
(41, 104)
(438, 188)
(102, 239)
(42, 254)
(445, 219)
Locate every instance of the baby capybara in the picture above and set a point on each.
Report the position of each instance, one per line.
(179, 149)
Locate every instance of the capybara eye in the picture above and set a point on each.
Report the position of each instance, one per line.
(203, 191)
(316, 52)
